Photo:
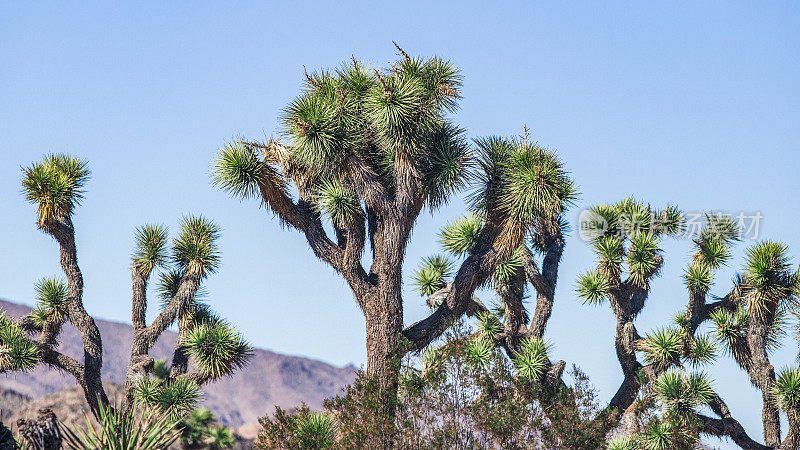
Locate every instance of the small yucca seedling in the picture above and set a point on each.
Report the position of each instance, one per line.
(123, 431)
(787, 390)
(218, 350)
(662, 347)
(460, 236)
(531, 361)
(592, 287)
(317, 430)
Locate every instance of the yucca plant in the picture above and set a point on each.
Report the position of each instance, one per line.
(56, 185)
(123, 430)
(315, 431)
(367, 150)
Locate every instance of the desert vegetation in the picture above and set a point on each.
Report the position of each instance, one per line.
(364, 152)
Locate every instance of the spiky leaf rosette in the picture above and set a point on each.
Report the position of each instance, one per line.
(702, 351)
(731, 331)
(622, 443)
(712, 253)
(55, 185)
(151, 248)
(600, 221)
(721, 228)
(459, 237)
(175, 398)
(531, 361)
(168, 284)
(506, 270)
(698, 277)
(17, 352)
(643, 258)
(787, 390)
(314, 431)
(218, 350)
(592, 287)
(669, 221)
(120, 430)
(220, 437)
(768, 277)
(478, 352)
(238, 171)
(195, 251)
(611, 252)
(338, 203)
(161, 370)
(432, 274)
(680, 394)
(658, 435)
(538, 186)
(662, 347)
(634, 217)
(51, 296)
(489, 325)
(446, 163)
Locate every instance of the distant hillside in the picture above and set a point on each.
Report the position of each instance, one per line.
(270, 378)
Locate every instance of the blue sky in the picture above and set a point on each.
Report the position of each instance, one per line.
(686, 102)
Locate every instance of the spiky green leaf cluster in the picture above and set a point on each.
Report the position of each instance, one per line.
(195, 250)
(459, 237)
(315, 431)
(51, 301)
(17, 352)
(432, 274)
(337, 202)
(698, 278)
(611, 252)
(220, 437)
(532, 361)
(151, 248)
(445, 164)
(787, 390)
(769, 277)
(702, 351)
(592, 287)
(433, 364)
(489, 325)
(621, 442)
(682, 394)
(120, 430)
(642, 258)
(478, 352)
(55, 185)
(507, 269)
(217, 350)
(237, 170)
(175, 398)
(662, 347)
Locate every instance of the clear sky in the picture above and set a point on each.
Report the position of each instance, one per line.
(696, 103)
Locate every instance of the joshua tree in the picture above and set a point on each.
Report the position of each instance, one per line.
(368, 150)
(748, 323)
(56, 186)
